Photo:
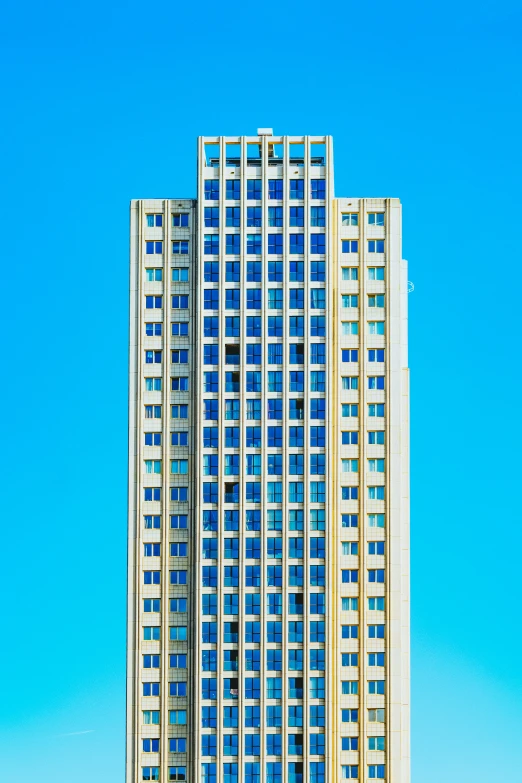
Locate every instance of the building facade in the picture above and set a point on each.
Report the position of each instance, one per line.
(268, 598)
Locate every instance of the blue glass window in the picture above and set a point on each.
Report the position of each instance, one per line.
(317, 188)
(275, 217)
(211, 190)
(296, 188)
(275, 244)
(233, 189)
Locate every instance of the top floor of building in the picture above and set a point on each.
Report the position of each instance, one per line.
(277, 153)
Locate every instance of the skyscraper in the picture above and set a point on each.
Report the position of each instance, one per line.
(268, 598)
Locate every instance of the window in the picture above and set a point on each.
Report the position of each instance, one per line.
(253, 299)
(376, 716)
(349, 604)
(376, 355)
(275, 189)
(349, 716)
(350, 219)
(350, 327)
(232, 326)
(375, 273)
(349, 246)
(376, 632)
(179, 411)
(296, 189)
(151, 550)
(153, 302)
(178, 633)
(317, 244)
(349, 575)
(316, 744)
(297, 216)
(376, 687)
(153, 248)
(376, 381)
(177, 717)
(233, 244)
(376, 465)
(211, 326)
(233, 189)
(376, 520)
(181, 219)
(209, 720)
(180, 302)
(177, 773)
(152, 493)
(375, 327)
(317, 298)
(317, 325)
(178, 577)
(154, 221)
(376, 575)
(150, 773)
(153, 275)
(376, 659)
(211, 190)
(180, 247)
(317, 188)
(253, 326)
(296, 299)
(152, 633)
(296, 244)
(152, 384)
(376, 300)
(349, 273)
(350, 465)
(151, 717)
(349, 300)
(349, 410)
(349, 547)
(349, 771)
(254, 216)
(179, 356)
(151, 522)
(376, 218)
(317, 216)
(150, 745)
(179, 383)
(153, 357)
(254, 189)
(349, 520)
(211, 271)
(296, 269)
(376, 409)
(211, 244)
(211, 216)
(180, 329)
(178, 605)
(376, 246)
(254, 246)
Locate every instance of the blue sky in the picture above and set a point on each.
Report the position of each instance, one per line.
(102, 103)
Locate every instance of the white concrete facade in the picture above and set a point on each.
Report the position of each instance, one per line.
(268, 634)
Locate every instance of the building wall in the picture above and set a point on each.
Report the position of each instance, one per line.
(223, 504)
(160, 520)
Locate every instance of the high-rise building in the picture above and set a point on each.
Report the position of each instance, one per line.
(268, 598)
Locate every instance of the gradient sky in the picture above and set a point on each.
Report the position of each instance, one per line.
(102, 102)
